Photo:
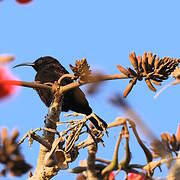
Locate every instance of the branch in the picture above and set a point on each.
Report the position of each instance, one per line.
(32, 135)
(26, 84)
(42, 171)
(92, 150)
(65, 88)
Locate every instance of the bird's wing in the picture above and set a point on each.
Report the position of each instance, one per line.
(75, 100)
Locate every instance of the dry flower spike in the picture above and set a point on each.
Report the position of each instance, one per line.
(81, 69)
(10, 155)
(150, 67)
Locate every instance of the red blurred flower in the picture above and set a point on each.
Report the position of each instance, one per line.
(5, 88)
(111, 176)
(23, 1)
(134, 176)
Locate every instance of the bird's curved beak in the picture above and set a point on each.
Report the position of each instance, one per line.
(25, 64)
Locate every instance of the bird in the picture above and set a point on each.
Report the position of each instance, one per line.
(48, 70)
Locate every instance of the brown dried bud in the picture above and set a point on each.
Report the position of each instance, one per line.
(164, 63)
(149, 84)
(151, 59)
(4, 135)
(139, 59)
(129, 87)
(133, 60)
(157, 63)
(155, 82)
(132, 72)
(174, 143)
(15, 134)
(145, 63)
(165, 137)
(156, 79)
(123, 70)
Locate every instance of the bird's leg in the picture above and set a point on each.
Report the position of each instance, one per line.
(99, 122)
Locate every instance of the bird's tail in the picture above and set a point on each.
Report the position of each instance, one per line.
(98, 123)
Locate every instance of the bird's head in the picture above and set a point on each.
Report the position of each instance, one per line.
(40, 62)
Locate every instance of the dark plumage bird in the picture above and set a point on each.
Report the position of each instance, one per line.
(50, 70)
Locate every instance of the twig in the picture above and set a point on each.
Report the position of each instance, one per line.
(41, 141)
(118, 122)
(28, 134)
(26, 84)
(66, 87)
(85, 118)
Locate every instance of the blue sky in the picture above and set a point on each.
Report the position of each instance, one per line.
(104, 32)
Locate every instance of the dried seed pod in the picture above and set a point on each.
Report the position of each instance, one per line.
(173, 67)
(151, 59)
(161, 76)
(149, 84)
(156, 79)
(133, 60)
(163, 66)
(154, 58)
(164, 77)
(155, 82)
(132, 72)
(145, 63)
(158, 75)
(4, 135)
(165, 59)
(174, 143)
(171, 64)
(15, 134)
(157, 63)
(129, 87)
(166, 137)
(139, 59)
(123, 70)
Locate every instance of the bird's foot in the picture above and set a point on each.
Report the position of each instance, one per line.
(100, 124)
